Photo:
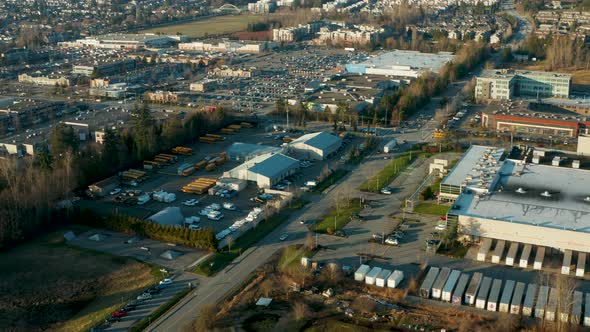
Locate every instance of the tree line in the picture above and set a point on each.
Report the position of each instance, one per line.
(559, 52)
(30, 187)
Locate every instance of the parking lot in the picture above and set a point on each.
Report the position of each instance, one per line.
(166, 179)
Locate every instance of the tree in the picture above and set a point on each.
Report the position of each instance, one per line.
(506, 54)
(173, 133)
(62, 139)
(144, 132)
(206, 319)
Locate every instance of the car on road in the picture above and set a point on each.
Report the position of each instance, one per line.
(284, 237)
(166, 282)
(153, 290)
(130, 307)
(119, 313)
(115, 191)
(144, 296)
(387, 190)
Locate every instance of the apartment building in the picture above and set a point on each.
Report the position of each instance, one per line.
(506, 84)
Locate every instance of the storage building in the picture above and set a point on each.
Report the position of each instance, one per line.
(244, 151)
(266, 170)
(317, 146)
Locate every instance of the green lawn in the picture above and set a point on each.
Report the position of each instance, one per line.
(292, 255)
(434, 209)
(211, 26)
(390, 172)
(338, 217)
(221, 259)
(330, 180)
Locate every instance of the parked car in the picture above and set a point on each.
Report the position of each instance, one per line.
(215, 215)
(284, 237)
(166, 282)
(392, 241)
(229, 206)
(119, 313)
(387, 190)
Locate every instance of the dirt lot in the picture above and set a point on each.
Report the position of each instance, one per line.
(46, 284)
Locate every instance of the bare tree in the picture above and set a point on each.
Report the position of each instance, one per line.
(266, 287)
(300, 310)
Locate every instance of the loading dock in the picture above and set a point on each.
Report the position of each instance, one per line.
(581, 266)
(524, 257)
(511, 254)
(539, 257)
(484, 249)
(567, 262)
(498, 251)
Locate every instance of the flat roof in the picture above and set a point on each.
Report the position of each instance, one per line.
(503, 73)
(414, 59)
(542, 195)
(272, 165)
(319, 140)
(469, 164)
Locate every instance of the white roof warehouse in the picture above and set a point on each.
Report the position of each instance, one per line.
(318, 146)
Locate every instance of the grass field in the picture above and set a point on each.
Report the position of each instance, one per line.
(46, 284)
(434, 209)
(389, 173)
(211, 26)
(338, 218)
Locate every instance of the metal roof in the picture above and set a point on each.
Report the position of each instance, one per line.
(168, 216)
(272, 165)
(320, 140)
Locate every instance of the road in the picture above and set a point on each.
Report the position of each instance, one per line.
(524, 24)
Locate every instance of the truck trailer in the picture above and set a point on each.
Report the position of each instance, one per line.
(471, 293)
(529, 300)
(450, 285)
(381, 280)
(426, 286)
(539, 257)
(459, 292)
(494, 295)
(567, 262)
(577, 308)
(516, 303)
(581, 266)
(362, 271)
(511, 255)
(484, 249)
(482, 293)
(506, 298)
(439, 284)
(498, 251)
(395, 279)
(371, 276)
(541, 301)
(551, 308)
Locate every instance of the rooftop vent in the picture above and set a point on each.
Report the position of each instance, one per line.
(546, 194)
(587, 199)
(520, 191)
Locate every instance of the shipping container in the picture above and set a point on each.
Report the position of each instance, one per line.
(539, 257)
(471, 293)
(484, 249)
(450, 285)
(360, 274)
(516, 302)
(439, 284)
(494, 295)
(524, 257)
(459, 292)
(498, 251)
(581, 266)
(506, 298)
(381, 280)
(529, 300)
(482, 293)
(587, 310)
(567, 262)
(426, 286)
(541, 301)
(511, 253)
(395, 279)
(577, 308)
(371, 276)
(551, 308)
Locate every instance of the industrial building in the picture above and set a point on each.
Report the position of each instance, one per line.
(243, 151)
(129, 41)
(100, 67)
(401, 63)
(535, 123)
(521, 200)
(226, 46)
(317, 146)
(266, 170)
(503, 84)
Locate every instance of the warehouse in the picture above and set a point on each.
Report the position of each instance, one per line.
(401, 63)
(516, 201)
(244, 151)
(317, 146)
(266, 170)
